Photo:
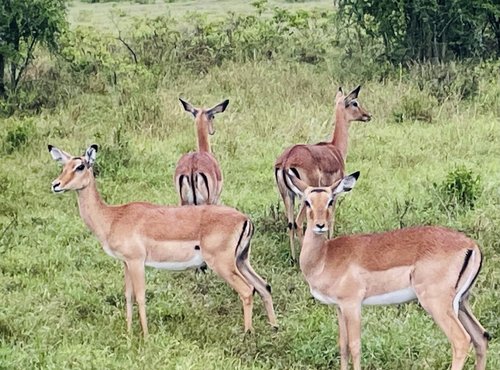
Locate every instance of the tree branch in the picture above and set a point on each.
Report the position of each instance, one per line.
(29, 54)
(134, 55)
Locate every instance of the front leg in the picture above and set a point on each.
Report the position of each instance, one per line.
(300, 222)
(352, 317)
(344, 350)
(129, 296)
(137, 275)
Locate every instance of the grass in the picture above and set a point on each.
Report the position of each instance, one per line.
(63, 304)
(102, 15)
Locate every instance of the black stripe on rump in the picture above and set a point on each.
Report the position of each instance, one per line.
(193, 189)
(240, 238)
(318, 191)
(205, 180)
(464, 266)
(285, 178)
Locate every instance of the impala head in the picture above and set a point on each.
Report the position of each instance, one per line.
(204, 118)
(319, 200)
(77, 172)
(351, 106)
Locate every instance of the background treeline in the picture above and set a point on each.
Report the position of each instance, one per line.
(420, 38)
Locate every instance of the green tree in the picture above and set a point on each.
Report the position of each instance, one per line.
(25, 24)
(425, 30)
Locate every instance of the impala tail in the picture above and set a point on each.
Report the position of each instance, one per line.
(194, 189)
(243, 264)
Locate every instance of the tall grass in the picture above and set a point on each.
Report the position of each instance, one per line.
(62, 297)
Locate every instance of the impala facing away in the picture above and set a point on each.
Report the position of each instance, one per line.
(318, 164)
(433, 264)
(198, 178)
(173, 238)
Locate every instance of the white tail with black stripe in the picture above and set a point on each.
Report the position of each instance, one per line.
(198, 177)
(174, 238)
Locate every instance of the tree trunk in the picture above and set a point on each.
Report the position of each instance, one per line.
(2, 75)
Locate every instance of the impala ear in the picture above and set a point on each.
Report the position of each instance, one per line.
(219, 108)
(353, 94)
(340, 93)
(294, 182)
(91, 153)
(58, 155)
(188, 107)
(346, 184)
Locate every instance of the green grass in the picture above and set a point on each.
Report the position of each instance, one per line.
(109, 15)
(62, 296)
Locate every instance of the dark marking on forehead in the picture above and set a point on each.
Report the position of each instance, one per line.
(318, 191)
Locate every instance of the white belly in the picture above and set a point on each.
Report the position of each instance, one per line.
(195, 262)
(109, 252)
(323, 298)
(395, 297)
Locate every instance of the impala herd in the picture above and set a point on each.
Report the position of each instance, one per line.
(434, 265)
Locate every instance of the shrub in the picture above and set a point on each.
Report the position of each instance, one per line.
(415, 106)
(19, 137)
(460, 189)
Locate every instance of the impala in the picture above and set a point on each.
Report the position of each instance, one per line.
(173, 238)
(198, 178)
(433, 264)
(318, 164)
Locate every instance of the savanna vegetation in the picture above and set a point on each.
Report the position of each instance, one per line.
(77, 73)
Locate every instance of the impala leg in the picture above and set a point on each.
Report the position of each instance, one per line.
(244, 290)
(289, 200)
(477, 333)
(344, 350)
(447, 320)
(300, 222)
(351, 315)
(129, 296)
(136, 271)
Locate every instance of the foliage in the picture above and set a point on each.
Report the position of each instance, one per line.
(23, 26)
(461, 189)
(18, 137)
(426, 30)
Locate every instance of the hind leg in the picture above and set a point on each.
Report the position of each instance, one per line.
(244, 290)
(477, 333)
(442, 312)
(264, 290)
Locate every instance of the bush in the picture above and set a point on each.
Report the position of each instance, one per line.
(460, 189)
(19, 137)
(415, 106)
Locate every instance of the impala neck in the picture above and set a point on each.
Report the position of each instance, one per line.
(94, 212)
(340, 136)
(312, 255)
(203, 142)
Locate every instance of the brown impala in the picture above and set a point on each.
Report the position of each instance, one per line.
(173, 238)
(198, 177)
(435, 265)
(318, 164)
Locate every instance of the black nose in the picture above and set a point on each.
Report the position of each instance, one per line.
(55, 185)
(320, 226)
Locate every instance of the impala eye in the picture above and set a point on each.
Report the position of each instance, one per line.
(330, 203)
(354, 104)
(306, 202)
(80, 167)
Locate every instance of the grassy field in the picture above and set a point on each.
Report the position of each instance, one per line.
(62, 296)
(102, 15)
